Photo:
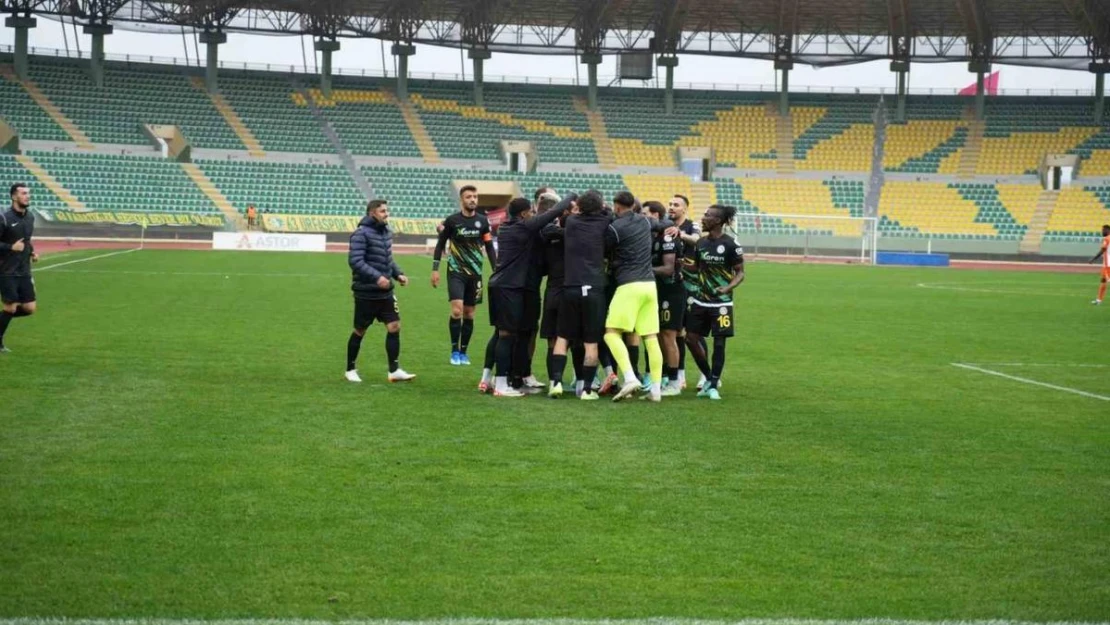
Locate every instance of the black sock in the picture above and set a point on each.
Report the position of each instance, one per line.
(578, 357)
(456, 329)
(521, 365)
(718, 360)
(393, 349)
(682, 353)
(699, 356)
(353, 345)
(589, 372)
(491, 352)
(504, 356)
(467, 332)
(670, 373)
(19, 312)
(526, 355)
(556, 367)
(5, 319)
(634, 358)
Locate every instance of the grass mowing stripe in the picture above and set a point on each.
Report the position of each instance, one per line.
(535, 621)
(1028, 381)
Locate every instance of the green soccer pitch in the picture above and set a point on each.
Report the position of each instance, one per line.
(178, 442)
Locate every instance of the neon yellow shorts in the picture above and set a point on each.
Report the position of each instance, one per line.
(635, 308)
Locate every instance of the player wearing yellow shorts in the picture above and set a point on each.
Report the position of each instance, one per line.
(635, 305)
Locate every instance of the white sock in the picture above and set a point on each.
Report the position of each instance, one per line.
(630, 378)
(681, 375)
(500, 383)
(578, 386)
(608, 371)
(656, 388)
(487, 375)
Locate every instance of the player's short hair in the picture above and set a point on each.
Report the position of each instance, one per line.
(590, 202)
(1105, 226)
(539, 192)
(728, 213)
(685, 200)
(518, 206)
(546, 202)
(468, 187)
(375, 204)
(16, 187)
(624, 198)
(655, 208)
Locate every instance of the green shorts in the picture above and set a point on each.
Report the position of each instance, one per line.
(635, 308)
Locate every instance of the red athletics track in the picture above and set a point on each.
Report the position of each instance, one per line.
(45, 247)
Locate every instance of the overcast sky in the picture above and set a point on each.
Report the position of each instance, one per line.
(367, 54)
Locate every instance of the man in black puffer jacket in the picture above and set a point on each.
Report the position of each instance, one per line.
(372, 274)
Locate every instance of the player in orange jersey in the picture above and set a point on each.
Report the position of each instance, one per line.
(1103, 252)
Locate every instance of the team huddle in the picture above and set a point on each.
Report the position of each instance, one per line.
(618, 279)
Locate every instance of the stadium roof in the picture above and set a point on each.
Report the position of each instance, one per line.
(1059, 33)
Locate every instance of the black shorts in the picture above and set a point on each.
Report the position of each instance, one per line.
(672, 307)
(582, 315)
(367, 311)
(552, 300)
(17, 289)
(715, 321)
(514, 310)
(464, 287)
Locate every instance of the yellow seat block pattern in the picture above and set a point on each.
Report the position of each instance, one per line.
(635, 152)
(735, 134)
(1097, 165)
(848, 151)
(950, 165)
(342, 96)
(658, 188)
(802, 118)
(1023, 151)
(480, 112)
(932, 208)
(1020, 200)
(1078, 210)
(799, 197)
(914, 139)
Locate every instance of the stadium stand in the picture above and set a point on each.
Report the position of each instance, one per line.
(41, 197)
(130, 98)
(293, 188)
(126, 183)
(823, 133)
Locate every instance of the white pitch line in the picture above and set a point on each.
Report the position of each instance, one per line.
(1035, 364)
(551, 621)
(968, 289)
(85, 260)
(206, 273)
(1028, 381)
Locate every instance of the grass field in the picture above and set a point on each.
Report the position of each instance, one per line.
(178, 442)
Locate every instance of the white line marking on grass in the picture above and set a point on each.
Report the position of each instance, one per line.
(1035, 364)
(972, 289)
(85, 260)
(1028, 381)
(551, 621)
(207, 273)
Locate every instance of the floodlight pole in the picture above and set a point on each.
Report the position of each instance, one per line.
(213, 39)
(592, 60)
(901, 70)
(478, 56)
(1100, 69)
(96, 62)
(22, 26)
(669, 62)
(403, 51)
(326, 47)
(785, 65)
